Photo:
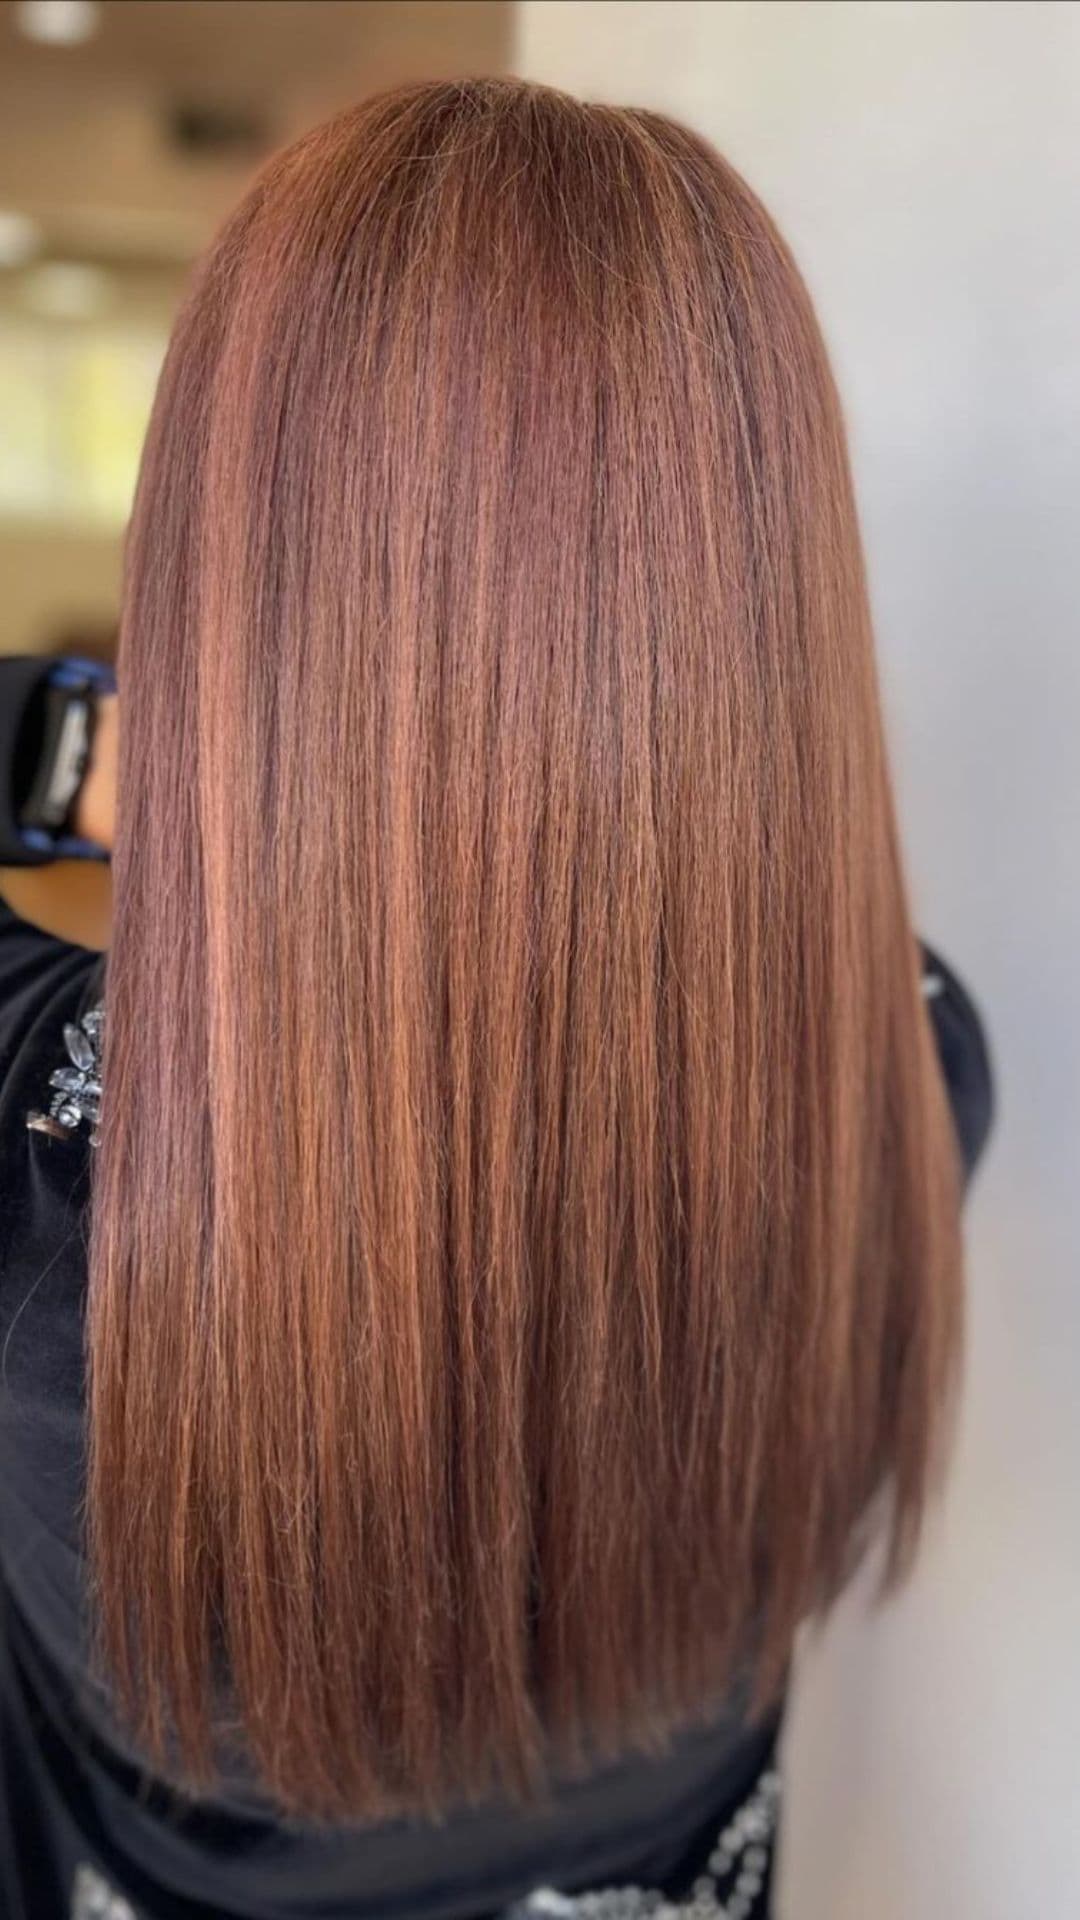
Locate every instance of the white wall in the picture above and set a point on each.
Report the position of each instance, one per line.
(924, 160)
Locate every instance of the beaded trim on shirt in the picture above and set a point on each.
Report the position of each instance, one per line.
(730, 1890)
(78, 1085)
(738, 1863)
(92, 1898)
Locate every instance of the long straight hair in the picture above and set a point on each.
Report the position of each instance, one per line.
(524, 1251)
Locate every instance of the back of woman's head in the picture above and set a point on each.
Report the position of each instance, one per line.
(524, 1236)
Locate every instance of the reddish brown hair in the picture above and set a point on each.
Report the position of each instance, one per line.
(525, 1226)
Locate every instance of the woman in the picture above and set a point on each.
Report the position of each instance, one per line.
(519, 1257)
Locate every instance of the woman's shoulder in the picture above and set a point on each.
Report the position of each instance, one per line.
(48, 987)
(964, 1053)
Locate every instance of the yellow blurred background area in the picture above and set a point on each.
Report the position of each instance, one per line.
(127, 129)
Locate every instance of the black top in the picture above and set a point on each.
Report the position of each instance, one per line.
(69, 1791)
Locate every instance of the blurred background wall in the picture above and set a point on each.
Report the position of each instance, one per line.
(924, 160)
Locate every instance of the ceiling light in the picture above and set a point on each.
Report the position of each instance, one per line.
(61, 23)
(19, 239)
(67, 289)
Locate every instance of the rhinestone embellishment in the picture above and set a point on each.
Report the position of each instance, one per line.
(729, 1890)
(78, 1085)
